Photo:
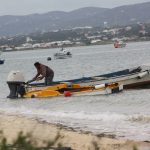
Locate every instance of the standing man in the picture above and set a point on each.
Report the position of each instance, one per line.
(43, 72)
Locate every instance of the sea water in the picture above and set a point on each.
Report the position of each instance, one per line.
(126, 115)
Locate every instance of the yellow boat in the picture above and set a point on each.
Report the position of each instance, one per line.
(73, 90)
(18, 88)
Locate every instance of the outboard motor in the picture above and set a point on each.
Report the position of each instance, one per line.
(16, 82)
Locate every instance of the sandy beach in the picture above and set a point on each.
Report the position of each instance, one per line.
(77, 140)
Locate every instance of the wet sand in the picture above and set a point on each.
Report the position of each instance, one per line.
(77, 140)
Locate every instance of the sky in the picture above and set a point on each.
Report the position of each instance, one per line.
(24, 7)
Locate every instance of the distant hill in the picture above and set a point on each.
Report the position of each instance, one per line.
(89, 16)
(128, 14)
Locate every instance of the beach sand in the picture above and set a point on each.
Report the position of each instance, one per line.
(77, 140)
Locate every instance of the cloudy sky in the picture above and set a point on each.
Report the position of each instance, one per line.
(23, 7)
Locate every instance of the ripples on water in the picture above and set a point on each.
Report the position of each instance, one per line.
(126, 114)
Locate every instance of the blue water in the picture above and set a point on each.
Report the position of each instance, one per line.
(127, 114)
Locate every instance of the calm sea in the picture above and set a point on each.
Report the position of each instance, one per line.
(127, 114)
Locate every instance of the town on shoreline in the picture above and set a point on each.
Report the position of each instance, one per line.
(81, 36)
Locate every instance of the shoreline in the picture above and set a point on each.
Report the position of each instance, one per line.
(12, 125)
(106, 43)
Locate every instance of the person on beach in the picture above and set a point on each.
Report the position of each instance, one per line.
(43, 71)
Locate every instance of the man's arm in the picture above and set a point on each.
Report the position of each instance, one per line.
(33, 79)
(36, 76)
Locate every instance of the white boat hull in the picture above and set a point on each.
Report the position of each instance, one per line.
(135, 80)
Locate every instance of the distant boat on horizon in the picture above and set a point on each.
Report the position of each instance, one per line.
(119, 44)
(63, 54)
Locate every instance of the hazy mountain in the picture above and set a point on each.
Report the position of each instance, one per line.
(128, 14)
(89, 16)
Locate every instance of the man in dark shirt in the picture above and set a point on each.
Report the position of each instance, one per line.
(43, 72)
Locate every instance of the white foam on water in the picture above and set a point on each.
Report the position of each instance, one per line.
(129, 126)
(106, 117)
(140, 118)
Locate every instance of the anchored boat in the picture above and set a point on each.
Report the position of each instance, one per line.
(119, 44)
(63, 54)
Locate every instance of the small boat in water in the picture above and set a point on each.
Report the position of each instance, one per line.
(119, 44)
(63, 54)
(18, 88)
(138, 77)
(64, 89)
(132, 78)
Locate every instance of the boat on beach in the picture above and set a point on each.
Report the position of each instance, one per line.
(138, 77)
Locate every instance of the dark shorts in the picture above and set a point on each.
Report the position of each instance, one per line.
(49, 79)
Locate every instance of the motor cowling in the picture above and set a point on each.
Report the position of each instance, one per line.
(16, 82)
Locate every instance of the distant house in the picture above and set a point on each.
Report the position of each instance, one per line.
(61, 43)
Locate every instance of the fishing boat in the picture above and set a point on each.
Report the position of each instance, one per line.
(138, 77)
(18, 88)
(62, 54)
(119, 44)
